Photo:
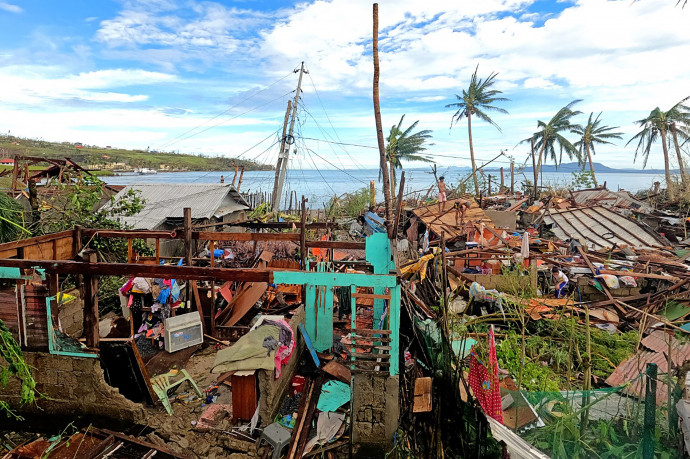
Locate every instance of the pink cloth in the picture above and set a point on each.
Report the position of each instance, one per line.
(442, 196)
(284, 352)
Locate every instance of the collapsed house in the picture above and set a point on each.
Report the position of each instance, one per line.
(270, 353)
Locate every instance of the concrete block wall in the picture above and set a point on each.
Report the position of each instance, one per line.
(70, 386)
(375, 413)
(71, 315)
(272, 390)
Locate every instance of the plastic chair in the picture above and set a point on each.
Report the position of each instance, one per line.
(278, 437)
(164, 385)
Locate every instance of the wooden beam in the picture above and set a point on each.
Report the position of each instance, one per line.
(160, 271)
(217, 236)
(136, 234)
(641, 275)
(343, 245)
(91, 311)
(303, 234)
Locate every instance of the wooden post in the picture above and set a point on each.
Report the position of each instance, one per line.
(33, 203)
(303, 234)
(211, 248)
(512, 176)
(239, 182)
(234, 177)
(444, 282)
(187, 212)
(399, 207)
(372, 192)
(158, 251)
(130, 250)
(502, 182)
(649, 412)
(15, 173)
(489, 194)
(379, 127)
(90, 297)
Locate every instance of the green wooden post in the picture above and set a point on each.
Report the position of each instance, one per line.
(394, 313)
(353, 323)
(649, 412)
(310, 309)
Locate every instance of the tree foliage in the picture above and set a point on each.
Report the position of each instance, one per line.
(12, 225)
(591, 134)
(477, 100)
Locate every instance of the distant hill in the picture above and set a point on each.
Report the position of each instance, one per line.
(598, 167)
(93, 157)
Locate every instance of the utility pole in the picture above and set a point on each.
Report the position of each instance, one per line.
(286, 142)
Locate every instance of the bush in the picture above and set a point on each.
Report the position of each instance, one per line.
(349, 204)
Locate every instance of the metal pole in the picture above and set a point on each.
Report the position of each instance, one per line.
(649, 412)
(279, 166)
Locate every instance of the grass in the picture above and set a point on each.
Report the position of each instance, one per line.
(92, 155)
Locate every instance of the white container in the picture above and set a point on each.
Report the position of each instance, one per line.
(183, 331)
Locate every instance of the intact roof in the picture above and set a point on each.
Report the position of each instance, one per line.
(444, 217)
(163, 201)
(599, 227)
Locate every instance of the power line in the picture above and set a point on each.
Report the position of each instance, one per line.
(172, 141)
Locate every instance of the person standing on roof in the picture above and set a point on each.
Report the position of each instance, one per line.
(442, 189)
(561, 281)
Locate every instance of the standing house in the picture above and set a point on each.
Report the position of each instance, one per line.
(164, 205)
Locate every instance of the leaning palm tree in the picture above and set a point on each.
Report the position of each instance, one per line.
(405, 145)
(551, 134)
(590, 135)
(477, 100)
(657, 124)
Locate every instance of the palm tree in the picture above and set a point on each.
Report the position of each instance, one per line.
(658, 124)
(550, 134)
(590, 134)
(477, 100)
(404, 145)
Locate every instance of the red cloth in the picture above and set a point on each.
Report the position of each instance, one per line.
(484, 382)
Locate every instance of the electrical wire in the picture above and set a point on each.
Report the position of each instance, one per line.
(224, 111)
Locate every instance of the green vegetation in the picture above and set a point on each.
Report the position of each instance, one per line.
(675, 121)
(477, 100)
(404, 145)
(101, 157)
(590, 135)
(349, 204)
(11, 353)
(12, 225)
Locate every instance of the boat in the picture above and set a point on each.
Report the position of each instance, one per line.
(145, 171)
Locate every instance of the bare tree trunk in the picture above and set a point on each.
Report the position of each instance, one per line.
(536, 171)
(667, 168)
(591, 165)
(474, 164)
(393, 180)
(681, 165)
(379, 127)
(534, 168)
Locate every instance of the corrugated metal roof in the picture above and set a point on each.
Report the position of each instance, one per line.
(443, 217)
(657, 341)
(163, 201)
(608, 198)
(599, 227)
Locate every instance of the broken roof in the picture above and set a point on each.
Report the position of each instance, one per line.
(599, 227)
(444, 217)
(164, 201)
(608, 198)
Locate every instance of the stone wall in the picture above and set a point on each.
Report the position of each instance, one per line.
(272, 390)
(70, 387)
(71, 315)
(375, 413)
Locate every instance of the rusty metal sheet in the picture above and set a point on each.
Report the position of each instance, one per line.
(608, 198)
(657, 341)
(444, 217)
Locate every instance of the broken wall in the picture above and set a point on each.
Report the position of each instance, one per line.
(69, 387)
(272, 390)
(375, 414)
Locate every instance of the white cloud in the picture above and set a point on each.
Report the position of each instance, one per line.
(11, 8)
(36, 84)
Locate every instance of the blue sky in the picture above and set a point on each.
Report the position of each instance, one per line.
(214, 77)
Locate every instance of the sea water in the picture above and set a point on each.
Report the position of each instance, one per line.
(319, 186)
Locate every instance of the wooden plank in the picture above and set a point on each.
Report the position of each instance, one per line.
(208, 236)
(160, 271)
(136, 441)
(422, 395)
(36, 240)
(343, 245)
(137, 234)
(91, 311)
(372, 296)
(640, 275)
(366, 356)
(338, 371)
(369, 331)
